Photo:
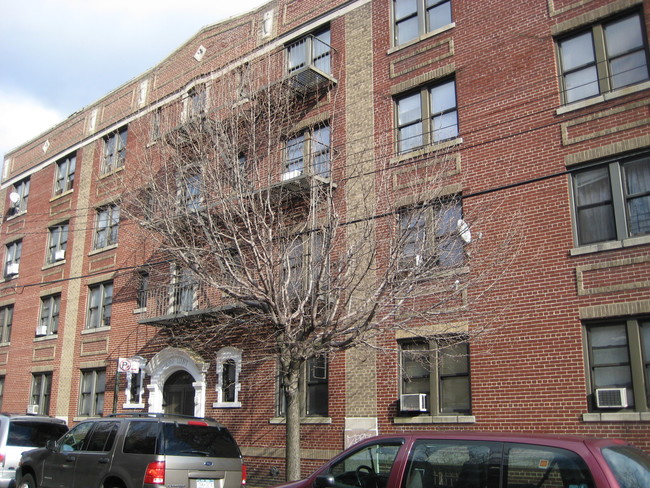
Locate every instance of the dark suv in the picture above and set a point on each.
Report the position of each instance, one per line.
(143, 451)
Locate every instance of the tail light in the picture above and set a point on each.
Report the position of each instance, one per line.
(2, 459)
(243, 475)
(155, 473)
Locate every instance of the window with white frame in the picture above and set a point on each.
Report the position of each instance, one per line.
(190, 191)
(64, 176)
(40, 393)
(135, 385)
(602, 58)
(414, 18)
(439, 370)
(57, 243)
(313, 389)
(13, 251)
(618, 356)
(91, 397)
(430, 235)
(19, 197)
(100, 300)
(106, 226)
(611, 201)
(228, 387)
(50, 308)
(114, 151)
(313, 50)
(308, 152)
(143, 289)
(426, 116)
(6, 320)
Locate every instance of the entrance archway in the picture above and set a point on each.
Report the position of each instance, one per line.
(177, 382)
(178, 394)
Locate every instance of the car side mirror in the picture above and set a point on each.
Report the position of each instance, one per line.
(324, 481)
(50, 445)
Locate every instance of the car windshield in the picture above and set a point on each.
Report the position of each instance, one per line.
(34, 434)
(198, 440)
(630, 466)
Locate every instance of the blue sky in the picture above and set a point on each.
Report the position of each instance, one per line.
(58, 56)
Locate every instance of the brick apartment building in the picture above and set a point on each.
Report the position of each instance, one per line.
(543, 108)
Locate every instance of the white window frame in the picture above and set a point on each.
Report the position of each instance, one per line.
(13, 251)
(50, 313)
(93, 394)
(6, 321)
(135, 381)
(114, 151)
(106, 228)
(41, 391)
(223, 356)
(64, 174)
(422, 18)
(105, 301)
(57, 242)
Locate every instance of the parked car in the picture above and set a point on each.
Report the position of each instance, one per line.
(19, 433)
(137, 451)
(471, 460)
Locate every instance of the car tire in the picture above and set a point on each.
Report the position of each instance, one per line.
(27, 481)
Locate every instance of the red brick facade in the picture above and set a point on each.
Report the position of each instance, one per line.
(513, 161)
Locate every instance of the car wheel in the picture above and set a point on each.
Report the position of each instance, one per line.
(27, 481)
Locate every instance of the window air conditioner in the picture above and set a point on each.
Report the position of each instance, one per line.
(290, 175)
(41, 330)
(32, 409)
(59, 255)
(611, 397)
(414, 402)
(12, 269)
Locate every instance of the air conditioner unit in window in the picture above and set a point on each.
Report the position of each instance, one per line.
(611, 397)
(32, 409)
(59, 255)
(414, 402)
(12, 269)
(41, 330)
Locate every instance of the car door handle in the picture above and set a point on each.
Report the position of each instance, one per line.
(103, 460)
(70, 459)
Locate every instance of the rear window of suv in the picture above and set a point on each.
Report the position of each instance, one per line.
(179, 439)
(198, 440)
(33, 434)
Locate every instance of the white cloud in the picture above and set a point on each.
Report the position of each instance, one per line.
(23, 118)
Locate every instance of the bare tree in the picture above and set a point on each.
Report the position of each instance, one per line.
(298, 243)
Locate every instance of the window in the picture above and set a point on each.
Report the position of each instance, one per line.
(91, 400)
(369, 466)
(135, 384)
(191, 183)
(19, 197)
(414, 18)
(431, 236)
(41, 388)
(143, 290)
(460, 463)
(49, 323)
(308, 152)
(75, 438)
(114, 151)
(6, 319)
(102, 437)
(614, 360)
(196, 102)
(612, 200)
(2, 391)
(183, 290)
(65, 169)
(100, 300)
(12, 259)
(311, 51)
(427, 116)
(106, 226)
(57, 243)
(314, 396)
(440, 370)
(603, 58)
(228, 371)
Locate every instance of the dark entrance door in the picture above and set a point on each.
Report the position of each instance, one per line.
(178, 394)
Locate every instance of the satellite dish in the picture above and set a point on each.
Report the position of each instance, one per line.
(463, 231)
(14, 197)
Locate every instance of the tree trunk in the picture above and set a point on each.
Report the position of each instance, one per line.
(292, 398)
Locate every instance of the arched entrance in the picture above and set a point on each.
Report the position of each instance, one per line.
(178, 394)
(177, 382)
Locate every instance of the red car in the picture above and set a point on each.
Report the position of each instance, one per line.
(471, 460)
